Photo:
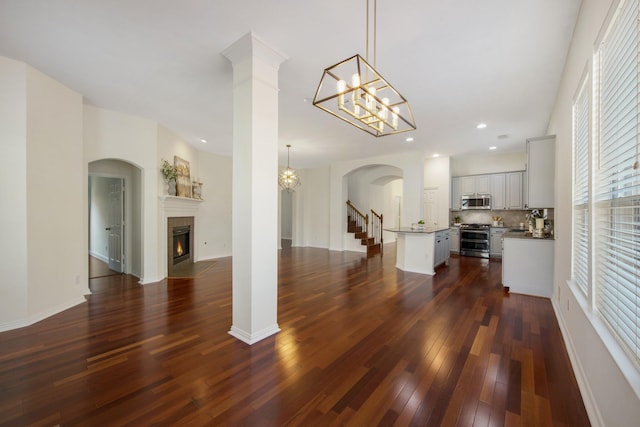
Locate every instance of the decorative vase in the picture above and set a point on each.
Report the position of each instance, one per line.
(172, 187)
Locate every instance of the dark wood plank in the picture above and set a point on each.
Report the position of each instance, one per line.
(362, 343)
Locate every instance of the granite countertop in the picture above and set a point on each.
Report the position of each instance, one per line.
(523, 235)
(409, 230)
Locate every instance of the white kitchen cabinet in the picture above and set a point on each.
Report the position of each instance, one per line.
(498, 191)
(455, 193)
(475, 184)
(454, 240)
(541, 154)
(442, 250)
(527, 266)
(495, 245)
(507, 189)
(513, 191)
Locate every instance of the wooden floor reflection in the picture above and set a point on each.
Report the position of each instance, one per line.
(362, 344)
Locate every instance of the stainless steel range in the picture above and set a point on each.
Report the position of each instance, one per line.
(474, 240)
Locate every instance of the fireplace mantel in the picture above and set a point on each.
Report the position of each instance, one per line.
(175, 206)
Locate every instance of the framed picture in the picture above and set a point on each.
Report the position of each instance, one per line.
(183, 180)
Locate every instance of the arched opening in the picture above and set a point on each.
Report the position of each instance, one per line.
(115, 218)
(378, 188)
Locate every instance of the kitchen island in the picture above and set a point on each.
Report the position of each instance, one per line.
(527, 263)
(415, 248)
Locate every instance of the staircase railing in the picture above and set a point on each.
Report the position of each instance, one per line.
(355, 218)
(376, 229)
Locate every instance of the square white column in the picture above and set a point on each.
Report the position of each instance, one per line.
(255, 188)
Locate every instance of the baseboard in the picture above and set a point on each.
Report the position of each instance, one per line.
(587, 396)
(146, 281)
(252, 338)
(21, 323)
(101, 257)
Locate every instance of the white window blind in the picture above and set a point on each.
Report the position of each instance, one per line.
(581, 123)
(616, 190)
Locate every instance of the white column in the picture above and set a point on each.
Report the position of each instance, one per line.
(255, 189)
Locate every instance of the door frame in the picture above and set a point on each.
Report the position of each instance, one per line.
(125, 261)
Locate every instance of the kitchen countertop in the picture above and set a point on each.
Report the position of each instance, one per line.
(523, 235)
(409, 230)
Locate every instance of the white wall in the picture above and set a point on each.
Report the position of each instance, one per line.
(56, 195)
(46, 188)
(609, 382)
(311, 209)
(286, 206)
(490, 163)
(113, 135)
(391, 191)
(412, 166)
(99, 216)
(13, 192)
(215, 212)
(438, 176)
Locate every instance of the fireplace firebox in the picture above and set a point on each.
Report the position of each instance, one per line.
(180, 241)
(181, 237)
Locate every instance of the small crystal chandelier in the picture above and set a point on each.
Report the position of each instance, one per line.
(288, 179)
(353, 91)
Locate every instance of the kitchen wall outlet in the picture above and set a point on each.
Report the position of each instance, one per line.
(77, 279)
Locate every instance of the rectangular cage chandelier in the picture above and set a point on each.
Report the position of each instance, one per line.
(352, 90)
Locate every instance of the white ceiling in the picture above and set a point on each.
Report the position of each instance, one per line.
(458, 62)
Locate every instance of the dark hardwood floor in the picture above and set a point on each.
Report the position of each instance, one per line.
(99, 268)
(362, 344)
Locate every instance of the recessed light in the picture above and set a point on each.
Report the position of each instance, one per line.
(204, 141)
(410, 139)
(481, 125)
(493, 148)
(436, 155)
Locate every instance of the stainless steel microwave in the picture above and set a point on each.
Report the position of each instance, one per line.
(476, 201)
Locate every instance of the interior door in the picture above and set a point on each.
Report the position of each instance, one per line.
(115, 227)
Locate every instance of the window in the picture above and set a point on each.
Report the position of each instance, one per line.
(615, 195)
(581, 139)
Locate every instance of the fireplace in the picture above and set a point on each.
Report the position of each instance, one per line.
(180, 238)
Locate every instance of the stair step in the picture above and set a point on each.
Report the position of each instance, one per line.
(367, 241)
(373, 250)
(361, 235)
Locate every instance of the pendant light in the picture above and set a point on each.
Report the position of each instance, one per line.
(352, 90)
(288, 179)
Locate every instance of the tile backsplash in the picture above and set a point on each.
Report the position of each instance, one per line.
(511, 218)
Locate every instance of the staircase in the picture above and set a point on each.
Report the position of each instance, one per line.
(358, 223)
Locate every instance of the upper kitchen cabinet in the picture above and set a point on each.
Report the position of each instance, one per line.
(498, 191)
(506, 190)
(455, 193)
(513, 193)
(541, 154)
(475, 184)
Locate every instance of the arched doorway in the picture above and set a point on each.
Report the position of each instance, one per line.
(115, 218)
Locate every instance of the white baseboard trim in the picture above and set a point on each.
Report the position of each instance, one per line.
(252, 338)
(101, 257)
(146, 281)
(587, 396)
(21, 323)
